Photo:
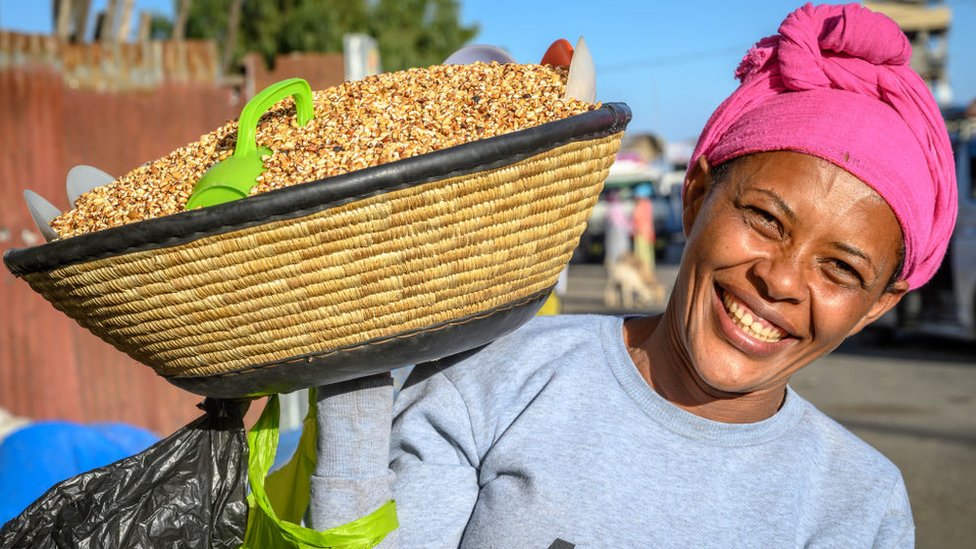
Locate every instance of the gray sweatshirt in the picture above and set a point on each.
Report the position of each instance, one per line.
(550, 438)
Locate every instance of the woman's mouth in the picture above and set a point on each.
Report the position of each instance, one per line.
(749, 322)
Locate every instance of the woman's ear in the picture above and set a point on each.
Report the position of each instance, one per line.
(695, 192)
(886, 302)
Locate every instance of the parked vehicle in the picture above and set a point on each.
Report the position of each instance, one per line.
(624, 178)
(946, 306)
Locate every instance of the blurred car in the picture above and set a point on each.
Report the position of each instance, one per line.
(624, 178)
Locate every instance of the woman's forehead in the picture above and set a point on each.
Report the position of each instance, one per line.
(801, 175)
(816, 191)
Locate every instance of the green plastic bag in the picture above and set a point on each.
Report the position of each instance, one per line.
(277, 502)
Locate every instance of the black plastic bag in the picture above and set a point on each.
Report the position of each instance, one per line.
(187, 490)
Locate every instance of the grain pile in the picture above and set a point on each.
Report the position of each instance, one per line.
(374, 121)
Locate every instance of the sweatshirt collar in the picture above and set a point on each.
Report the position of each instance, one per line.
(681, 421)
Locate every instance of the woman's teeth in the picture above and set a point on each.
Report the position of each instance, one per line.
(755, 327)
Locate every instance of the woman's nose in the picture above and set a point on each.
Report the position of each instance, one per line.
(781, 277)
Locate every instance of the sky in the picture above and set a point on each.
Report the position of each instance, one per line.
(670, 61)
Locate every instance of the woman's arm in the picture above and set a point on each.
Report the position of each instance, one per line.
(435, 459)
(433, 456)
(897, 528)
(352, 477)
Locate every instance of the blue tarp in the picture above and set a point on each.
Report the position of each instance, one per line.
(39, 455)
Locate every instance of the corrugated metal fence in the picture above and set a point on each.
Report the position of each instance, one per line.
(49, 366)
(112, 106)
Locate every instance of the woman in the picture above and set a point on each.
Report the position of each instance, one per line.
(820, 192)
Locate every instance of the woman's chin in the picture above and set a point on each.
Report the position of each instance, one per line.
(727, 381)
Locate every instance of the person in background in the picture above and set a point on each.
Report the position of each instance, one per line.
(643, 222)
(617, 239)
(820, 192)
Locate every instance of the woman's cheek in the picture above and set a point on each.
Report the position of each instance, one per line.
(835, 311)
(737, 245)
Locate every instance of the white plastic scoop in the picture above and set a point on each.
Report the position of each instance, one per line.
(42, 212)
(478, 52)
(581, 83)
(82, 179)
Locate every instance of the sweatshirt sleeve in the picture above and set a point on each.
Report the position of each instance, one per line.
(897, 529)
(351, 477)
(435, 458)
(429, 467)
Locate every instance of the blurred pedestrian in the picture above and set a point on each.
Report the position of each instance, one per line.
(617, 233)
(644, 237)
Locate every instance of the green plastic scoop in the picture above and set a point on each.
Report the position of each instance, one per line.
(234, 177)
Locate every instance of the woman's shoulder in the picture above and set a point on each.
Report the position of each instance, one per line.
(543, 343)
(503, 377)
(566, 329)
(840, 446)
(835, 469)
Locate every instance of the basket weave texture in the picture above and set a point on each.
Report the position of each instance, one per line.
(372, 268)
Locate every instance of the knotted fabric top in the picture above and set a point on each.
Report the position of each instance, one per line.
(836, 83)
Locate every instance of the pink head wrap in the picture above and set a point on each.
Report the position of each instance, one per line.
(835, 83)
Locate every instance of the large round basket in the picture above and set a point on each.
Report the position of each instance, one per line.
(340, 278)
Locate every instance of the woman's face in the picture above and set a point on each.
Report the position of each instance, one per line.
(786, 256)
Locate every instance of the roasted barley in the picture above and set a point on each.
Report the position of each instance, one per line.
(374, 121)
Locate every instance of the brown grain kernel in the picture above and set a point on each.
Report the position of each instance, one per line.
(356, 125)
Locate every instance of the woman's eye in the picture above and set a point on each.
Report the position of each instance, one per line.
(844, 272)
(763, 220)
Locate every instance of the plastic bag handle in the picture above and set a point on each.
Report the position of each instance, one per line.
(265, 530)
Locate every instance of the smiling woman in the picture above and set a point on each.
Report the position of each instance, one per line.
(820, 192)
(769, 282)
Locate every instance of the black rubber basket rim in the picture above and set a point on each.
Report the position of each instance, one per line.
(308, 198)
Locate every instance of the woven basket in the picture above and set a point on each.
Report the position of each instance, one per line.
(344, 277)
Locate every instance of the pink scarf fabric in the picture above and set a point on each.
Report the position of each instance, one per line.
(836, 83)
